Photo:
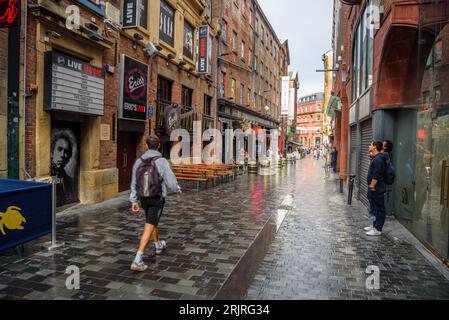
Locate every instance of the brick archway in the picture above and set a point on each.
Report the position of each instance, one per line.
(401, 49)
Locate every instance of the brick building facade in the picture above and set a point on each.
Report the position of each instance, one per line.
(108, 144)
(251, 62)
(309, 120)
(76, 79)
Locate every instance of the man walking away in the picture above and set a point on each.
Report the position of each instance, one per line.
(377, 188)
(152, 179)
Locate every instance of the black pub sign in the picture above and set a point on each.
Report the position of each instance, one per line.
(133, 104)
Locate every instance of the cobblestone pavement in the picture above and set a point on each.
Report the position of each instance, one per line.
(322, 252)
(207, 234)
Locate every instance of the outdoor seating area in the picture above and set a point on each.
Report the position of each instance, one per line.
(203, 176)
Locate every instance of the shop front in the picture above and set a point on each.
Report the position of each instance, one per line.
(235, 117)
(10, 58)
(415, 117)
(422, 151)
(67, 109)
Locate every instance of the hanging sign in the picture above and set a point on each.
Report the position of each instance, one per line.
(134, 13)
(172, 118)
(204, 50)
(133, 102)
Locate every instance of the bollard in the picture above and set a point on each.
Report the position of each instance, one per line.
(351, 189)
(341, 184)
(252, 167)
(53, 244)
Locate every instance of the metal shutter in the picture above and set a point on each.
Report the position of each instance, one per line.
(367, 139)
(353, 150)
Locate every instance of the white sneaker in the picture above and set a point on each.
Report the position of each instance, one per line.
(374, 233)
(367, 229)
(160, 247)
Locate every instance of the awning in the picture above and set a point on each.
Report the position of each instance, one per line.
(293, 142)
(334, 104)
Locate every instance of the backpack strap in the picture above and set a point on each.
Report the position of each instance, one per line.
(149, 160)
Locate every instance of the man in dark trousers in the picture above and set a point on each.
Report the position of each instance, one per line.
(153, 207)
(377, 187)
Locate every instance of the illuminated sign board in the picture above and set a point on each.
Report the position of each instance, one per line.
(9, 13)
(73, 85)
(133, 104)
(204, 50)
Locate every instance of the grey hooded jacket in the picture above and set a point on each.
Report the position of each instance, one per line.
(169, 181)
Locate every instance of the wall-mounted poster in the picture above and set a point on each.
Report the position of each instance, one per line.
(65, 164)
(188, 40)
(167, 23)
(133, 89)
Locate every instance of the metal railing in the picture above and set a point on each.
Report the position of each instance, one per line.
(188, 115)
(208, 122)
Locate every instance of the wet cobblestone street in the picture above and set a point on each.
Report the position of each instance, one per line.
(322, 252)
(319, 252)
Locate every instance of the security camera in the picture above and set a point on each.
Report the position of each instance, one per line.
(151, 49)
(53, 34)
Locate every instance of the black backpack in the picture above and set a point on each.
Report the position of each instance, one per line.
(390, 175)
(148, 180)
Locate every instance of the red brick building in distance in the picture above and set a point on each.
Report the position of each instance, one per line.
(309, 120)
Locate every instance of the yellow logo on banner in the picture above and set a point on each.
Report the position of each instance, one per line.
(12, 219)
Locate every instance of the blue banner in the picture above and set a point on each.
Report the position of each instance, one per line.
(94, 5)
(25, 212)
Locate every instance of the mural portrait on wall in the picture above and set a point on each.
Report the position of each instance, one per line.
(65, 164)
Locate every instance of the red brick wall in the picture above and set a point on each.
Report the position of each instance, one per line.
(30, 153)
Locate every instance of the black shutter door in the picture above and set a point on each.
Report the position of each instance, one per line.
(353, 150)
(367, 139)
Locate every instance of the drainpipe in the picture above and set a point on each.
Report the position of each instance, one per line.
(24, 94)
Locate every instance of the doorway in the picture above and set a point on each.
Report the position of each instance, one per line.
(126, 156)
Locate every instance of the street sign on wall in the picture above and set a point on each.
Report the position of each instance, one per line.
(133, 103)
(73, 85)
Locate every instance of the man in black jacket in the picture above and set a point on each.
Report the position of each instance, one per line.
(377, 188)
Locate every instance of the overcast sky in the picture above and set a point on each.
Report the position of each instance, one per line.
(307, 24)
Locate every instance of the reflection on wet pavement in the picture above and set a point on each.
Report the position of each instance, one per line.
(207, 234)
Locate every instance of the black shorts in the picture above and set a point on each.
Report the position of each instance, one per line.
(153, 210)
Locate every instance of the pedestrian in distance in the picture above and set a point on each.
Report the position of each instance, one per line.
(377, 187)
(334, 155)
(152, 180)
